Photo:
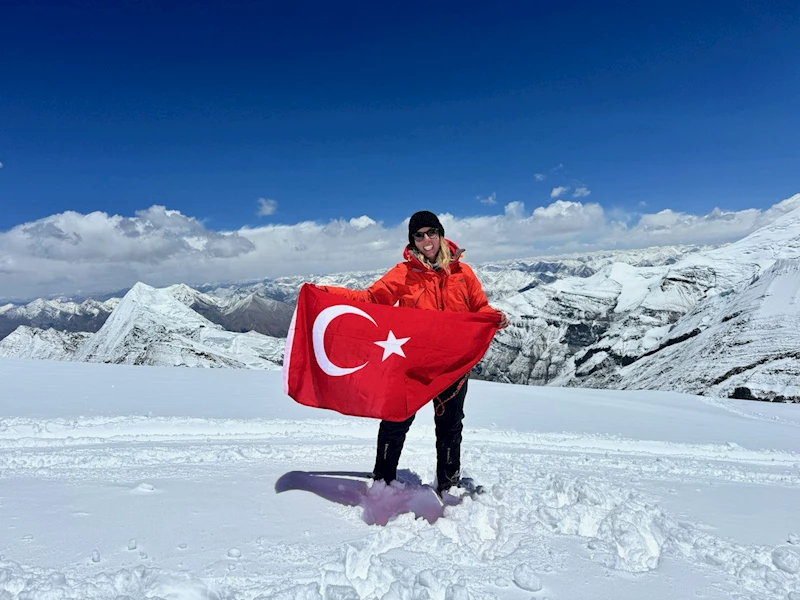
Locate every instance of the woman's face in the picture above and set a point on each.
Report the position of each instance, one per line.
(426, 239)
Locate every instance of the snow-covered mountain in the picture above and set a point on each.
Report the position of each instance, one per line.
(628, 326)
(238, 312)
(30, 342)
(63, 315)
(503, 279)
(151, 327)
(618, 319)
(244, 312)
(256, 313)
(740, 345)
(500, 279)
(266, 306)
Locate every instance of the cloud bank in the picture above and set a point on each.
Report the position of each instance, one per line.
(82, 254)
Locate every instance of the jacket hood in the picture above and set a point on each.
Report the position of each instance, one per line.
(456, 252)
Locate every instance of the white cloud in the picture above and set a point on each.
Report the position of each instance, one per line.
(362, 222)
(515, 210)
(1, 165)
(266, 207)
(490, 200)
(581, 192)
(71, 253)
(539, 176)
(558, 191)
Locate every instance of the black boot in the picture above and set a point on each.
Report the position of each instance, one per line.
(391, 437)
(448, 465)
(449, 424)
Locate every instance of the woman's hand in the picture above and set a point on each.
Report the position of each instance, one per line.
(503, 320)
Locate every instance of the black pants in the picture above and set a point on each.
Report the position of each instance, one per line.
(449, 424)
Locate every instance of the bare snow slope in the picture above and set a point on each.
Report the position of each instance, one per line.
(158, 483)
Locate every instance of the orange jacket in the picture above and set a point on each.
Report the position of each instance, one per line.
(414, 285)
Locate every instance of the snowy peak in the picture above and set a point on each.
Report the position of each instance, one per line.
(155, 304)
(255, 313)
(189, 296)
(143, 311)
(151, 327)
(737, 263)
(29, 342)
(88, 315)
(779, 239)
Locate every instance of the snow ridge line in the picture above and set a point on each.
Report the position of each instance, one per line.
(20, 433)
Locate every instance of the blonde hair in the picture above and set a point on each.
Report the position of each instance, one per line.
(443, 258)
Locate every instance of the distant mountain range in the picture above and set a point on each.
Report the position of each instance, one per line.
(153, 327)
(718, 321)
(266, 306)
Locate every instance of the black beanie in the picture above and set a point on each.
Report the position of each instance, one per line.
(423, 218)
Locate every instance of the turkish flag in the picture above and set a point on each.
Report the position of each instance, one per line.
(373, 360)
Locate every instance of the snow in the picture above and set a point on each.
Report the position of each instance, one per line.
(150, 482)
(150, 326)
(747, 340)
(707, 323)
(28, 342)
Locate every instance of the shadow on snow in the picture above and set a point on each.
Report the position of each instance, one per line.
(380, 502)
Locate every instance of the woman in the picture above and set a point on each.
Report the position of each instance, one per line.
(431, 278)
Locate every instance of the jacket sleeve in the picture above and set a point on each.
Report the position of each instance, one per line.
(477, 297)
(383, 291)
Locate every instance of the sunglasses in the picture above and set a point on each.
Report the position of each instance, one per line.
(431, 234)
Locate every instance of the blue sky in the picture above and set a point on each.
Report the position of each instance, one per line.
(338, 110)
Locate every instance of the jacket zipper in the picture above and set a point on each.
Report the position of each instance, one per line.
(416, 301)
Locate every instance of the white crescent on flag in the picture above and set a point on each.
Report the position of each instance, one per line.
(392, 345)
(347, 376)
(321, 323)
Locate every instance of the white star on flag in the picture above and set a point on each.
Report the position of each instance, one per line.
(392, 346)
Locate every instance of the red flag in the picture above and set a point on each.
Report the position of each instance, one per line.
(373, 360)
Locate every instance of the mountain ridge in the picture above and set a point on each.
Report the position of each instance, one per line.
(621, 320)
